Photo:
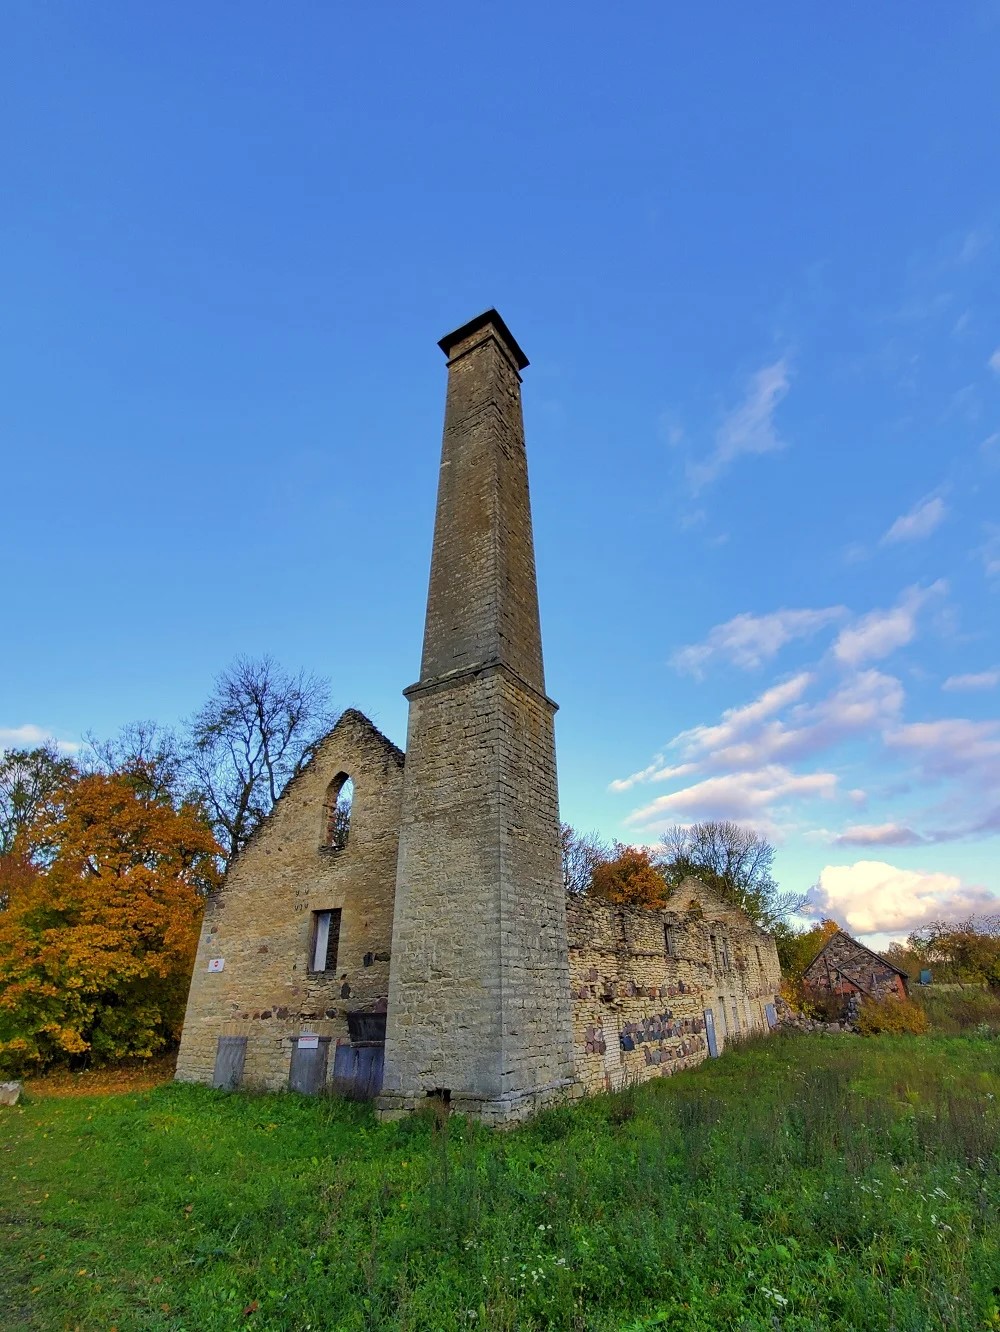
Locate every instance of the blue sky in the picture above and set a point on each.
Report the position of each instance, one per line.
(754, 258)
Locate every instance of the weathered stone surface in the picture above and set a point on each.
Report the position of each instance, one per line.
(479, 987)
(10, 1093)
(268, 900)
(641, 1013)
(846, 970)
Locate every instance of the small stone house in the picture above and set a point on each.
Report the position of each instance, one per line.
(844, 970)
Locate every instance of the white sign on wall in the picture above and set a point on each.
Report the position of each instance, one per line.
(308, 1042)
(216, 963)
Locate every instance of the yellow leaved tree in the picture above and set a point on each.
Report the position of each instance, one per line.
(103, 901)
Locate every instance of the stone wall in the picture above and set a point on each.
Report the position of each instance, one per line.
(845, 967)
(260, 923)
(641, 982)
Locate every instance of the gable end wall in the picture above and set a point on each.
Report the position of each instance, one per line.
(260, 922)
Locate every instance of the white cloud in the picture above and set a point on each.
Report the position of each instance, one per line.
(952, 746)
(878, 834)
(978, 680)
(749, 427)
(752, 737)
(30, 736)
(749, 640)
(920, 522)
(880, 632)
(994, 361)
(743, 796)
(872, 896)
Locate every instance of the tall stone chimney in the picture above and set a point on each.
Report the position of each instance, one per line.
(479, 1008)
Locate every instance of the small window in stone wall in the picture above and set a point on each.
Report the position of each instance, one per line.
(759, 963)
(669, 943)
(337, 812)
(325, 940)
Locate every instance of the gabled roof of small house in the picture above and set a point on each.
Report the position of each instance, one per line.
(861, 948)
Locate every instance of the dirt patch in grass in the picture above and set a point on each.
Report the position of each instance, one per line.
(116, 1080)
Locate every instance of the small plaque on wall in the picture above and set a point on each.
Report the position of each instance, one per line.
(216, 963)
(308, 1042)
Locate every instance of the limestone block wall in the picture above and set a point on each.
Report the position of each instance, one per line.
(479, 992)
(260, 923)
(641, 982)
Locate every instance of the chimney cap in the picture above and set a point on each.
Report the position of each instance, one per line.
(489, 318)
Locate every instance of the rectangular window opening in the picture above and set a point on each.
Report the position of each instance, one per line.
(326, 938)
(668, 941)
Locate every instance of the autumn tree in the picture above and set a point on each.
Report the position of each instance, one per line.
(736, 861)
(957, 951)
(148, 754)
(97, 944)
(257, 731)
(28, 779)
(630, 878)
(581, 854)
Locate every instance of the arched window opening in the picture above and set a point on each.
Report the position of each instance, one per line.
(337, 812)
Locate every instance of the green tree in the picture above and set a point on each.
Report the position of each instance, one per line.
(736, 861)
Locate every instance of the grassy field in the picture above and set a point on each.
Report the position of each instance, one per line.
(801, 1182)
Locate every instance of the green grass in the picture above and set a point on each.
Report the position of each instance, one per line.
(952, 1012)
(802, 1182)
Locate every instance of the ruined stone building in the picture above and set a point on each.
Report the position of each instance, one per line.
(844, 970)
(425, 948)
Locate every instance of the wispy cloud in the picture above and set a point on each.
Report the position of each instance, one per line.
(951, 746)
(748, 640)
(742, 796)
(749, 427)
(881, 632)
(872, 896)
(30, 736)
(994, 361)
(975, 680)
(878, 834)
(924, 518)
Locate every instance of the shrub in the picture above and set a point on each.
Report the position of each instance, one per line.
(897, 1016)
(954, 1011)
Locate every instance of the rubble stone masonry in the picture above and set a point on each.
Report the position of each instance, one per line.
(641, 983)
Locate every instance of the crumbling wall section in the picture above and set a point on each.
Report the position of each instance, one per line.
(642, 982)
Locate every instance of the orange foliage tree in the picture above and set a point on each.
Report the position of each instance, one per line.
(629, 878)
(98, 939)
